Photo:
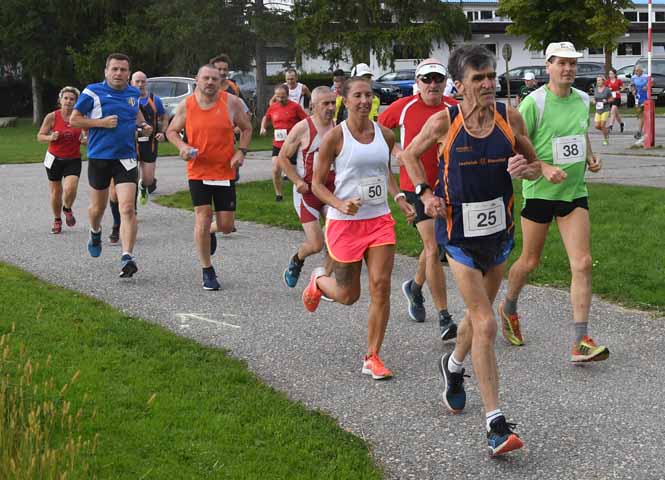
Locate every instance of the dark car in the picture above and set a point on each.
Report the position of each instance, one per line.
(404, 79)
(247, 84)
(387, 93)
(587, 72)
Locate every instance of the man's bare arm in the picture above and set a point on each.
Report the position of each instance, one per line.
(176, 126)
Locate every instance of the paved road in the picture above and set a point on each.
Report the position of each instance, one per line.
(595, 421)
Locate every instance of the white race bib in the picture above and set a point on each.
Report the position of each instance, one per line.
(280, 134)
(570, 149)
(217, 183)
(128, 163)
(600, 106)
(48, 160)
(143, 139)
(483, 218)
(373, 190)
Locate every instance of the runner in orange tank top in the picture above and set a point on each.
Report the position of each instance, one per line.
(209, 117)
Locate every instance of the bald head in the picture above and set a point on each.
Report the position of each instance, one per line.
(318, 92)
(139, 80)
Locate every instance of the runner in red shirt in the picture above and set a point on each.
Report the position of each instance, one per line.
(614, 83)
(284, 114)
(410, 114)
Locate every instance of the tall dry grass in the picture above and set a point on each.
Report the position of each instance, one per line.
(40, 433)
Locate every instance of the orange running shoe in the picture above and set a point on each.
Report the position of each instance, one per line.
(372, 365)
(311, 296)
(510, 327)
(587, 351)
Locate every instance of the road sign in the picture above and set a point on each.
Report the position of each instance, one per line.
(507, 52)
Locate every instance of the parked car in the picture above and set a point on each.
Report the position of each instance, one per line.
(172, 90)
(404, 79)
(387, 93)
(584, 80)
(247, 84)
(657, 76)
(624, 74)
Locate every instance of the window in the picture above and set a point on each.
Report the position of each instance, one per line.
(632, 16)
(162, 89)
(486, 14)
(388, 77)
(659, 47)
(630, 48)
(644, 17)
(596, 51)
(490, 46)
(406, 75)
(181, 89)
(660, 16)
(472, 16)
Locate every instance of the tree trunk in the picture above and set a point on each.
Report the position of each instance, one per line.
(608, 61)
(260, 60)
(37, 100)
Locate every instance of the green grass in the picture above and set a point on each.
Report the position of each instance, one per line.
(20, 145)
(210, 417)
(626, 238)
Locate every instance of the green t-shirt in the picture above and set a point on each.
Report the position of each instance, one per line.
(547, 117)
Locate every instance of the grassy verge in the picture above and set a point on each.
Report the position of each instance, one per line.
(20, 145)
(626, 238)
(165, 406)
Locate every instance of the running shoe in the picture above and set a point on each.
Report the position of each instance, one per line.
(95, 244)
(143, 195)
(447, 327)
(454, 396)
(510, 327)
(210, 280)
(57, 226)
(587, 351)
(621, 127)
(279, 198)
(114, 238)
(70, 219)
(637, 135)
(416, 302)
(311, 296)
(213, 244)
(610, 128)
(128, 266)
(372, 365)
(605, 142)
(501, 439)
(292, 272)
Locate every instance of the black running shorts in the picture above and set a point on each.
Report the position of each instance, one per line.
(147, 151)
(417, 203)
(293, 159)
(100, 173)
(64, 167)
(543, 211)
(224, 197)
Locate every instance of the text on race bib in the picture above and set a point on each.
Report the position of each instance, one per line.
(600, 105)
(373, 190)
(128, 163)
(143, 139)
(570, 149)
(483, 218)
(48, 160)
(280, 134)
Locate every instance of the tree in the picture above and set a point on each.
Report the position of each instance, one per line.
(352, 30)
(607, 25)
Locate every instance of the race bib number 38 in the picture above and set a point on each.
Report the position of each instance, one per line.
(570, 149)
(373, 190)
(484, 218)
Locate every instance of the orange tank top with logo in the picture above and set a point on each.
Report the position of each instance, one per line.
(211, 132)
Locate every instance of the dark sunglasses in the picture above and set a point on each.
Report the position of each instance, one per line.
(432, 77)
(480, 77)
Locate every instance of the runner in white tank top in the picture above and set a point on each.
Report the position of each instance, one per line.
(298, 92)
(359, 224)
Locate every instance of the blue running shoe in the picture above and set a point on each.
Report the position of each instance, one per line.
(95, 244)
(292, 272)
(213, 244)
(128, 265)
(454, 396)
(501, 439)
(416, 302)
(210, 279)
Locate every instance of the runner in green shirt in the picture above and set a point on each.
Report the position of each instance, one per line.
(557, 119)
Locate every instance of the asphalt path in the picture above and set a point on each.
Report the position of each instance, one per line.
(602, 420)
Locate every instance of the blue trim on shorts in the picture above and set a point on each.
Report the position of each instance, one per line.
(457, 254)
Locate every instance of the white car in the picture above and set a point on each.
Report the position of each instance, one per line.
(172, 90)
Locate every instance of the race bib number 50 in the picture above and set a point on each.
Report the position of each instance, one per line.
(484, 218)
(373, 190)
(570, 149)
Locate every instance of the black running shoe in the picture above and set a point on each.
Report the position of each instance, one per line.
(454, 395)
(114, 238)
(447, 327)
(128, 265)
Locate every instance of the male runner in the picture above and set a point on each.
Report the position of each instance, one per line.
(209, 117)
(298, 92)
(557, 120)
(410, 114)
(110, 112)
(482, 144)
(303, 141)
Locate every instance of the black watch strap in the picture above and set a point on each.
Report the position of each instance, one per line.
(243, 150)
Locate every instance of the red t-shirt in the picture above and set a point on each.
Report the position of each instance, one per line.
(615, 86)
(68, 144)
(284, 118)
(410, 114)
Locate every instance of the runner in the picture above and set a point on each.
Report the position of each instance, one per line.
(529, 86)
(557, 119)
(410, 114)
(359, 224)
(477, 140)
(615, 84)
(339, 77)
(110, 112)
(63, 157)
(209, 117)
(283, 114)
(639, 84)
(603, 98)
(155, 115)
(303, 141)
(297, 92)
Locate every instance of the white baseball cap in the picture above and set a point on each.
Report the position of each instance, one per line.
(529, 76)
(430, 65)
(361, 69)
(561, 49)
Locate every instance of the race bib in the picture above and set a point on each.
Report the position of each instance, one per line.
(483, 218)
(280, 134)
(143, 139)
(570, 149)
(48, 160)
(217, 183)
(600, 106)
(128, 163)
(373, 190)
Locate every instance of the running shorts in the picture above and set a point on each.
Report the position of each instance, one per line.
(308, 206)
(543, 211)
(601, 117)
(414, 200)
(100, 173)
(348, 240)
(293, 159)
(223, 197)
(481, 254)
(64, 167)
(147, 151)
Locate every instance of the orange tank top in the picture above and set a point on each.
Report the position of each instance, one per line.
(211, 132)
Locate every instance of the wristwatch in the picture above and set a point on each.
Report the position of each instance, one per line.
(243, 150)
(421, 187)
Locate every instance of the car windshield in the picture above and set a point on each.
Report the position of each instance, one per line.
(657, 65)
(244, 79)
(388, 77)
(162, 89)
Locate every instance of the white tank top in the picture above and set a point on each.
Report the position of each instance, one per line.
(295, 95)
(361, 170)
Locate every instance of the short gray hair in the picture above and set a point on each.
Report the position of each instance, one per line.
(318, 91)
(469, 55)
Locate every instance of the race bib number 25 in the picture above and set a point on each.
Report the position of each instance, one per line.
(483, 218)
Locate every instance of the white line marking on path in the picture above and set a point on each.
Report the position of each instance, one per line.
(203, 318)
